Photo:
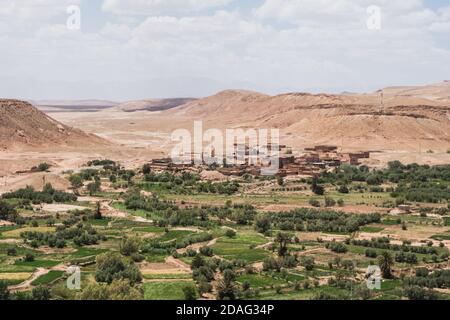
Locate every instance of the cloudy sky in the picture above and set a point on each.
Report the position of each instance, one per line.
(133, 49)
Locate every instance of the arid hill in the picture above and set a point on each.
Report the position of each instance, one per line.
(22, 125)
(398, 119)
(152, 105)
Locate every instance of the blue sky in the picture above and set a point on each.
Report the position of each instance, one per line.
(137, 49)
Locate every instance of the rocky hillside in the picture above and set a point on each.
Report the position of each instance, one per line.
(23, 125)
(401, 119)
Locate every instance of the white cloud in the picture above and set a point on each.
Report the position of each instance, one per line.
(157, 7)
(325, 46)
(34, 9)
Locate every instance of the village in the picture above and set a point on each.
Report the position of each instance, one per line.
(311, 162)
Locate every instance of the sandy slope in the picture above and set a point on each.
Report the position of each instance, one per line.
(22, 125)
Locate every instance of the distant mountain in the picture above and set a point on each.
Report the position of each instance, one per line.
(22, 125)
(434, 92)
(152, 105)
(52, 106)
(403, 118)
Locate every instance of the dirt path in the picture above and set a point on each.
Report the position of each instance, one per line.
(301, 253)
(26, 285)
(167, 280)
(111, 212)
(265, 245)
(180, 264)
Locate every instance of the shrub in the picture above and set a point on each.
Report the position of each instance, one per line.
(189, 293)
(43, 167)
(329, 202)
(230, 233)
(314, 202)
(206, 251)
(343, 189)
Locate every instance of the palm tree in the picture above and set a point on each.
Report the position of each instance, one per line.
(385, 262)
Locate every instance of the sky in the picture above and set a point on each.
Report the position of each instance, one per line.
(141, 49)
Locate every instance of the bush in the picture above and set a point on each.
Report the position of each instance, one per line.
(110, 266)
(230, 233)
(189, 293)
(11, 251)
(28, 257)
(7, 211)
(329, 202)
(370, 253)
(4, 292)
(343, 189)
(206, 251)
(336, 247)
(43, 167)
(41, 293)
(314, 202)
(308, 263)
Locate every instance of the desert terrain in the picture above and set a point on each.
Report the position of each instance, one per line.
(366, 182)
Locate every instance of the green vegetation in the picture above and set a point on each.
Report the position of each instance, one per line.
(48, 278)
(165, 290)
(170, 235)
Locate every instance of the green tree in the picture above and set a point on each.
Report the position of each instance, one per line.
(4, 292)
(98, 212)
(130, 246)
(41, 293)
(262, 224)
(76, 181)
(385, 262)
(282, 239)
(280, 181)
(316, 188)
(146, 169)
(189, 293)
(227, 289)
(111, 266)
(119, 289)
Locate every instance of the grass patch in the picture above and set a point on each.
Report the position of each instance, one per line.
(100, 222)
(50, 277)
(446, 221)
(86, 252)
(165, 276)
(38, 263)
(165, 290)
(16, 232)
(259, 281)
(371, 229)
(156, 258)
(390, 222)
(441, 237)
(140, 213)
(241, 247)
(149, 229)
(175, 234)
(13, 278)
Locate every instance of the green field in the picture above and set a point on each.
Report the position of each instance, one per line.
(258, 281)
(165, 290)
(48, 278)
(241, 247)
(38, 263)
